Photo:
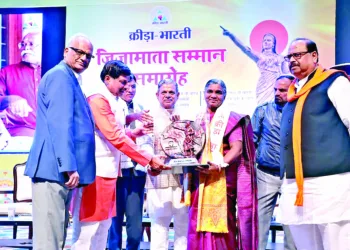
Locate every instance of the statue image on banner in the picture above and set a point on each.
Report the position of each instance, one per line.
(271, 64)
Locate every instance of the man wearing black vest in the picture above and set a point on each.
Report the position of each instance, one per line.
(315, 152)
(266, 123)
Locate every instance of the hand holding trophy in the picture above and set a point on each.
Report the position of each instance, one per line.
(182, 141)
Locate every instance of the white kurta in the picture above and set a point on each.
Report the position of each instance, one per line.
(164, 195)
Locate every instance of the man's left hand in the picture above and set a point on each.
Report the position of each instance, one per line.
(73, 181)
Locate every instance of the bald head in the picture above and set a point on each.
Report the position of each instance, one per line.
(78, 36)
(78, 52)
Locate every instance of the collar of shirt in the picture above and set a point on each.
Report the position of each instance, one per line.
(278, 107)
(299, 84)
(34, 66)
(78, 76)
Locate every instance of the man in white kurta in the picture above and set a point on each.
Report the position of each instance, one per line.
(165, 190)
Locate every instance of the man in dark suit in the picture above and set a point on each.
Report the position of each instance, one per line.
(63, 152)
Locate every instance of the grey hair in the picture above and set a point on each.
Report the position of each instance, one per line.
(217, 81)
(168, 81)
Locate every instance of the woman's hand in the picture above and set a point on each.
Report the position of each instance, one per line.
(213, 168)
(225, 32)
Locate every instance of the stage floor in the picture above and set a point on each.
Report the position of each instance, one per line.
(6, 233)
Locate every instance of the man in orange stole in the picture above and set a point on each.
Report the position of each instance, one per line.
(229, 181)
(315, 152)
(95, 205)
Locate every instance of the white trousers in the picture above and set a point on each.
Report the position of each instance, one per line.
(88, 235)
(162, 215)
(330, 236)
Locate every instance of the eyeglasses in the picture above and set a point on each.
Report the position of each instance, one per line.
(295, 55)
(80, 53)
(22, 45)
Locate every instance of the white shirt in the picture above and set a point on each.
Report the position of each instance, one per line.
(107, 156)
(144, 142)
(339, 94)
(78, 76)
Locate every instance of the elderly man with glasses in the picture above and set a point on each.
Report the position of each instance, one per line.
(315, 152)
(62, 156)
(164, 191)
(18, 90)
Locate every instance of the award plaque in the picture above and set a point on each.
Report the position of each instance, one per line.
(182, 141)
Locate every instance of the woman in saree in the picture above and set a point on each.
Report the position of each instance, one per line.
(214, 193)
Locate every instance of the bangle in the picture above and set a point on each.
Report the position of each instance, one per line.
(224, 165)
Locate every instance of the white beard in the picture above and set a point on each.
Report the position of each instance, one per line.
(29, 57)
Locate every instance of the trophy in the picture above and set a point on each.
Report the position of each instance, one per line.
(182, 141)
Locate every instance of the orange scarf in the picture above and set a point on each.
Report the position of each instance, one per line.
(320, 75)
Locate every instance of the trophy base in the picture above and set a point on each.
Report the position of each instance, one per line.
(183, 165)
(183, 162)
(194, 165)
